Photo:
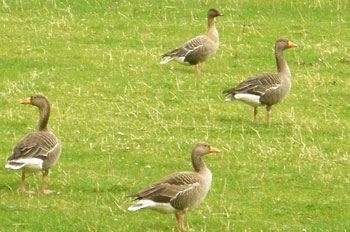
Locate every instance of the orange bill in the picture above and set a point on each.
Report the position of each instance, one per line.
(26, 101)
(292, 45)
(214, 150)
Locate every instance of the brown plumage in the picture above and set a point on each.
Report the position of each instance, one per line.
(37, 151)
(198, 49)
(267, 88)
(179, 192)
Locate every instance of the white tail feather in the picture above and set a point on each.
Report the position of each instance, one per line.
(29, 164)
(249, 99)
(15, 166)
(141, 204)
(157, 206)
(168, 59)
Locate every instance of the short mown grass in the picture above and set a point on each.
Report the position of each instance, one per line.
(125, 121)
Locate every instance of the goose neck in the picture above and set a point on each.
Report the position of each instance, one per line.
(282, 66)
(212, 31)
(198, 163)
(44, 117)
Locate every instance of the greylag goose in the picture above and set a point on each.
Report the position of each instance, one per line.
(181, 191)
(198, 49)
(37, 151)
(267, 88)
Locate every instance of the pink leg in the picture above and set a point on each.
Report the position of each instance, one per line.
(43, 190)
(197, 69)
(268, 108)
(23, 188)
(180, 221)
(255, 113)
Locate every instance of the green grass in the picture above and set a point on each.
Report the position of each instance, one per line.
(125, 121)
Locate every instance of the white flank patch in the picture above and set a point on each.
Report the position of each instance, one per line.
(181, 60)
(194, 49)
(272, 88)
(160, 207)
(52, 149)
(250, 99)
(192, 186)
(28, 165)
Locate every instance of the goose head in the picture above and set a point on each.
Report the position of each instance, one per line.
(201, 149)
(212, 13)
(36, 100)
(283, 44)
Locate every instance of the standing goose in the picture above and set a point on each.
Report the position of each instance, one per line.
(181, 191)
(37, 151)
(198, 49)
(266, 88)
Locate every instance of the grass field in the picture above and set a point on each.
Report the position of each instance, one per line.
(125, 121)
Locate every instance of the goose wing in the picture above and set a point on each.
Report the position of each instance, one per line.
(191, 47)
(169, 188)
(258, 85)
(35, 145)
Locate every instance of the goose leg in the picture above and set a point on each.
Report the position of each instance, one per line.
(268, 108)
(255, 113)
(197, 69)
(43, 190)
(23, 188)
(180, 221)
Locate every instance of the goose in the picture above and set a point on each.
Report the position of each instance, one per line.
(180, 192)
(266, 89)
(37, 151)
(198, 49)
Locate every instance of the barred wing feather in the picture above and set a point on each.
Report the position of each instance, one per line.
(36, 145)
(169, 188)
(259, 85)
